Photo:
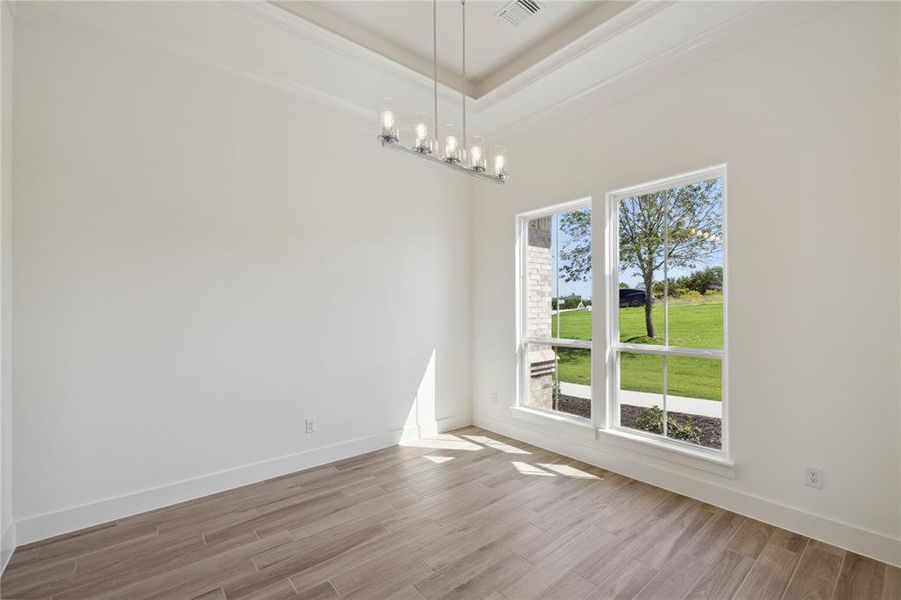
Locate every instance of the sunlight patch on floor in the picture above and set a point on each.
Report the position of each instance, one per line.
(444, 441)
(438, 459)
(487, 441)
(568, 471)
(527, 469)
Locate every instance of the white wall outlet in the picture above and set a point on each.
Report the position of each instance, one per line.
(813, 477)
(494, 398)
(311, 425)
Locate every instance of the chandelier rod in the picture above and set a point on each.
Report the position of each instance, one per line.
(463, 77)
(435, 62)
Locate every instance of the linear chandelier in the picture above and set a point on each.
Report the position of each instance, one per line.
(471, 159)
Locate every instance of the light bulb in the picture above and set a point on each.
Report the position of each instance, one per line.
(477, 162)
(451, 152)
(499, 161)
(422, 138)
(477, 154)
(387, 122)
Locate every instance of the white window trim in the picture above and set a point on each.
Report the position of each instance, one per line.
(605, 324)
(521, 408)
(611, 246)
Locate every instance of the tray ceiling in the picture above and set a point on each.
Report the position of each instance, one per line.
(496, 50)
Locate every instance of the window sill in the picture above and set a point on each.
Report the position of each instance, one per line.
(566, 426)
(696, 459)
(559, 423)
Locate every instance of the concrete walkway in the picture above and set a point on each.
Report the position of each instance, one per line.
(691, 406)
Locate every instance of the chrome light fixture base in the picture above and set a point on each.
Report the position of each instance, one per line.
(394, 145)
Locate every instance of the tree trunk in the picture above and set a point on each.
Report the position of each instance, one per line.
(649, 305)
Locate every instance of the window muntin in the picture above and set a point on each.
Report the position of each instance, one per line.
(556, 307)
(668, 335)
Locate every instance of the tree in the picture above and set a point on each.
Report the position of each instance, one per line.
(679, 226)
(701, 281)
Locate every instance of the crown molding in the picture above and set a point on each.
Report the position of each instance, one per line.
(644, 44)
(256, 40)
(707, 32)
(289, 22)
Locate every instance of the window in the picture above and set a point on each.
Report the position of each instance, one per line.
(668, 301)
(556, 309)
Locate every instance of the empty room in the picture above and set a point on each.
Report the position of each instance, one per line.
(450, 299)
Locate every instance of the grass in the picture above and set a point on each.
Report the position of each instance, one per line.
(696, 325)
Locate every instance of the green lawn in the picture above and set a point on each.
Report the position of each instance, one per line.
(691, 325)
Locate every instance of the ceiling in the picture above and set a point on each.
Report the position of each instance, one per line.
(496, 51)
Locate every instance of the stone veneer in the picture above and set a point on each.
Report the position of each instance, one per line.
(538, 306)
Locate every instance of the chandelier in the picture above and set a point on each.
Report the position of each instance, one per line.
(454, 152)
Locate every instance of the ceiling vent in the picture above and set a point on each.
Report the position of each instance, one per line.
(516, 12)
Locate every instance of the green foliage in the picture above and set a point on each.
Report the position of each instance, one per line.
(575, 255)
(703, 281)
(571, 301)
(696, 284)
(651, 420)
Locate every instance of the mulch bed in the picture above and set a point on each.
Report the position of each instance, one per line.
(711, 428)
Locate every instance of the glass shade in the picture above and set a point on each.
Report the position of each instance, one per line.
(388, 121)
(451, 150)
(477, 160)
(500, 161)
(422, 143)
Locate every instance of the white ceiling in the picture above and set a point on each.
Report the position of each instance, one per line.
(496, 51)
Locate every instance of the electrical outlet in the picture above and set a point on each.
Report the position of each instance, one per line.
(311, 425)
(813, 477)
(494, 398)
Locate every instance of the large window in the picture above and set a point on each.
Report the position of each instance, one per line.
(556, 308)
(668, 299)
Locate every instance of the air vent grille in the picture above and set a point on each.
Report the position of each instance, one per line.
(518, 11)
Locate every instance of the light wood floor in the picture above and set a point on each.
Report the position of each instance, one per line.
(467, 515)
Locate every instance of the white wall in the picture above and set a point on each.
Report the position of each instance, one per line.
(7, 528)
(201, 262)
(808, 123)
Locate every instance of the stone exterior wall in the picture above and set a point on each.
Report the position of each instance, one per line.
(538, 306)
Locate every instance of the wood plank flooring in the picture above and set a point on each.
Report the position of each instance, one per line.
(469, 514)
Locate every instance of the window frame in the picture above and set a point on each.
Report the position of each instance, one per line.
(614, 347)
(522, 339)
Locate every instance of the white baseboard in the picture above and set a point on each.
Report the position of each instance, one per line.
(7, 545)
(862, 541)
(39, 527)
